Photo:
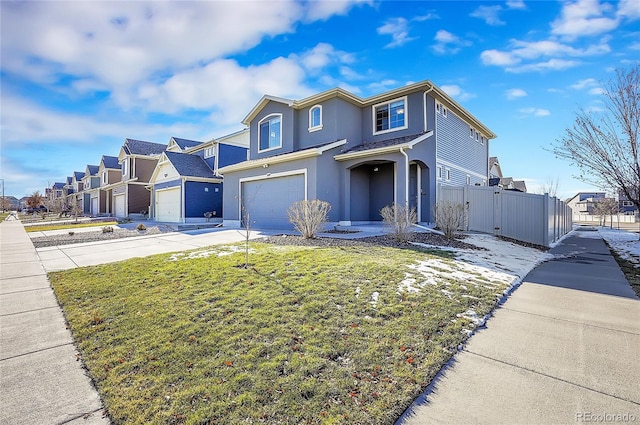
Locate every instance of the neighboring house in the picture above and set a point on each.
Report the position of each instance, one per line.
(109, 173)
(583, 202)
(56, 191)
(137, 160)
(68, 191)
(91, 190)
(626, 206)
(186, 185)
(11, 203)
(497, 179)
(76, 196)
(357, 154)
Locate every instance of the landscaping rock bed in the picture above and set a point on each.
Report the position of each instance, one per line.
(98, 235)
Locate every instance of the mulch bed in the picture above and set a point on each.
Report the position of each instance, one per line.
(385, 240)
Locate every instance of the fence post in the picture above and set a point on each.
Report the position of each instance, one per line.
(545, 217)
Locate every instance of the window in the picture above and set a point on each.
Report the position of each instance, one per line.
(104, 177)
(270, 134)
(447, 173)
(627, 203)
(209, 152)
(439, 172)
(471, 131)
(124, 167)
(468, 179)
(315, 118)
(441, 109)
(477, 136)
(483, 140)
(390, 116)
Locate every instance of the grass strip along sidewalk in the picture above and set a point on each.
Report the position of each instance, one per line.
(65, 226)
(307, 335)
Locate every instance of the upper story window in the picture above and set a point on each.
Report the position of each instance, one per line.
(390, 116)
(270, 132)
(441, 109)
(209, 152)
(471, 132)
(124, 166)
(104, 177)
(315, 118)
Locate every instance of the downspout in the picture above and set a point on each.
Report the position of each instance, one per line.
(406, 183)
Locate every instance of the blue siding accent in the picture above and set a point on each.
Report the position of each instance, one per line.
(229, 154)
(201, 197)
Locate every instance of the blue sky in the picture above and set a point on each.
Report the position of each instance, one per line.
(80, 77)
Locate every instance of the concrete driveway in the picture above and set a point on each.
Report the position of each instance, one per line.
(66, 257)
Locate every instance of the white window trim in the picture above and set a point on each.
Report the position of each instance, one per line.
(268, 118)
(209, 152)
(315, 127)
(447, 174)
(124, 166)
(388, 102)
(439, 172)
(471, 132)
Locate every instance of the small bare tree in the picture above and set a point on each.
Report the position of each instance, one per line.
(604, 207)
(400, 219)
(550, 186)
(450, 217)
(309, 216)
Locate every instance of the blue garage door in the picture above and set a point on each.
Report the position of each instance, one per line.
(267, 200)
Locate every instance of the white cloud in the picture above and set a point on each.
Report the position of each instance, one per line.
(516, 4)
(515, 93)
(321, 10)
(584, 84)
(457, 92)
(24, 121)
(536, 112)
(489, 14)
(584, 18)
(629, 9)
(398, 29)
(447, 42)
(523, 51)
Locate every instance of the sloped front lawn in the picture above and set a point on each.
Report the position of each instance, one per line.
(308, 336)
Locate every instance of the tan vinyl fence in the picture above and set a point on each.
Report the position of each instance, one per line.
(536, 219)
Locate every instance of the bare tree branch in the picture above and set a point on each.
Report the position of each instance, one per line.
(604, 146)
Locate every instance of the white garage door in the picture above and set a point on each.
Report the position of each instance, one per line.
(119, 206)
(94, 206)
(168, 205)
(267, 200)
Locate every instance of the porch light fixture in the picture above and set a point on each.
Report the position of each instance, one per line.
(375, 169)
(265, 165)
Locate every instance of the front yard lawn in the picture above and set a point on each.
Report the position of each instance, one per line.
(309, 335)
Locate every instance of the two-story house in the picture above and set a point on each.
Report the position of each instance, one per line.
(109, 173)
(358, 154)
(137, 160)
(186, 186)
(91, 190)
(75, 195)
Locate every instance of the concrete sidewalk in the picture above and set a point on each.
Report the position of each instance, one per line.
(41, 382)
(563, 349)
(66, 257)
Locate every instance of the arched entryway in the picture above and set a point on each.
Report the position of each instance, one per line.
(372, 188)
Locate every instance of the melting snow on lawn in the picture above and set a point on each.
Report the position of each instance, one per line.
(219, 251)
(504, 263)
(625, 243)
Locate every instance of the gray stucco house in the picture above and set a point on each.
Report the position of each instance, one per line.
(358, 154)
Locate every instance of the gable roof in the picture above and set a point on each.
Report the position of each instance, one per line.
(188, 165)
(69, 180)
(185, 143)
(58, 185)
(141, 147)
(110, 162)
(426, 86)
(78, 175)
(92, 170)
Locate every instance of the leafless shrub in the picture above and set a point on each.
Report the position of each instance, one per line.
(107, 229)
(450, 217)
(309, 216)
(400, 219)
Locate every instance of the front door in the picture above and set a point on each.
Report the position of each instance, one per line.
(413, 188)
